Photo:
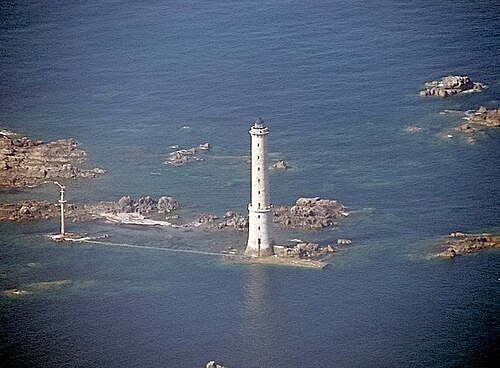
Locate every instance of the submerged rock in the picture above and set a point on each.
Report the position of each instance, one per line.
(183, 156)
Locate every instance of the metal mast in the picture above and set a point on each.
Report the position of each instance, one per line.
(61, 202)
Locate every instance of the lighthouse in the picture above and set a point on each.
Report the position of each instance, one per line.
(259, 209)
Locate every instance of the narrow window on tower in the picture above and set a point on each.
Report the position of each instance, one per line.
(259, 205)
(258, 180)
(258, 216)
(258, 241)
(259, 191)
(259, 227)
(258, 144)
(258, 169)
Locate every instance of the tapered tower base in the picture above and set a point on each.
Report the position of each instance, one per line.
(259, 210)
(259, 244)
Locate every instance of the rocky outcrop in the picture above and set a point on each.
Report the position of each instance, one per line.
(451, 85)
(27, 163)
(44, 210)
(477, 122)
(184, 156)
(279, 165)
(147, 205)
(458, 243)
(309, 213)
(485, 117)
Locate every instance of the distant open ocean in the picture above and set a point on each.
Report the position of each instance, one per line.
(337, 83)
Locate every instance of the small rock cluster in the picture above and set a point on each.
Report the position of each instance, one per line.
(309, 213)
(183, 156)
(451, 85)
(27, 162)
(206, 219)
(458, 243)
(146, 205)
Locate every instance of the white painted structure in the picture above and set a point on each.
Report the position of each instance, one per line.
(61, 202)
(259, 209)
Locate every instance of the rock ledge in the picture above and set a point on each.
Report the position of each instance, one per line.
(29, 163)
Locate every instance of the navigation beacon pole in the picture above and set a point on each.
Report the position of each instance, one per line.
(61, 202)
(259, 209)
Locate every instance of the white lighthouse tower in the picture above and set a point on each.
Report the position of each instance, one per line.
(259, 209)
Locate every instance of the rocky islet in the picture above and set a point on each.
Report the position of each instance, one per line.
(458, 243)
(451, 85)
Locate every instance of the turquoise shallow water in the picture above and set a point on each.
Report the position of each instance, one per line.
(338, 84)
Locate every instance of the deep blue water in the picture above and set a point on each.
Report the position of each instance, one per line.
(337, 83)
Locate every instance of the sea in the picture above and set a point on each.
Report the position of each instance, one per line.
(337, 84)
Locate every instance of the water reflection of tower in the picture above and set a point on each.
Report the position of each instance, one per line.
(258, 325)
(259, 209)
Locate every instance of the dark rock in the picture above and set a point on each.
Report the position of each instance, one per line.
(280, 165)
(145, 205)
(213, 364)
